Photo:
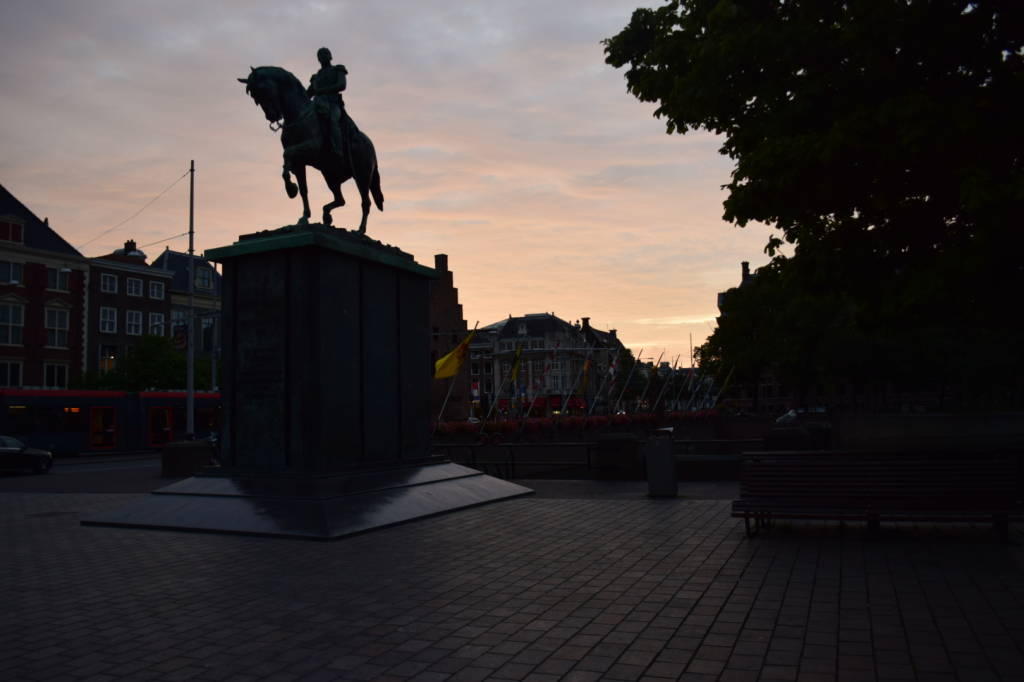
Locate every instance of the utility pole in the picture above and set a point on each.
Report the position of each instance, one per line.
(190, 352)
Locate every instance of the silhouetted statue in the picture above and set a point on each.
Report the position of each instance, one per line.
(317, 133)
(325, 87)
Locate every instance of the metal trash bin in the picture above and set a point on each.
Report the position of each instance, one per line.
(661, 465)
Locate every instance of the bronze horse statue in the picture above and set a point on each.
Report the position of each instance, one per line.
(286, 104)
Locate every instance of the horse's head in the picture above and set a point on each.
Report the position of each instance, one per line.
(264, 86)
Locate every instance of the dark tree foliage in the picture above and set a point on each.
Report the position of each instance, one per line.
(883, 138)
(152, 362)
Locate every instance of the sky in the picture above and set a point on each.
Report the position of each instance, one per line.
(503, 140)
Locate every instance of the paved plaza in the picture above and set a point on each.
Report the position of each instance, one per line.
(579, 582)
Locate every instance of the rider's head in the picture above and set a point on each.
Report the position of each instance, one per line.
(324, 56)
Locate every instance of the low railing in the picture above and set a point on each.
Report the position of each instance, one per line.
(585, 459)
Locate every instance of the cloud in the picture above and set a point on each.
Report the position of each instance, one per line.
(503, 140)
(686, 319)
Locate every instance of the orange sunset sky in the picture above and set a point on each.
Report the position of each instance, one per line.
(503, 138)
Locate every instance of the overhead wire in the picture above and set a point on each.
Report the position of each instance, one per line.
(167, 239)
(132, 216)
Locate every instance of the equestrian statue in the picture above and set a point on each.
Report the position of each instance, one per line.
(317, 131)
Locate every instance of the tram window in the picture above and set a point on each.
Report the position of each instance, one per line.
(73, 419)
(20, 418)
(49, 419)
(102, 427)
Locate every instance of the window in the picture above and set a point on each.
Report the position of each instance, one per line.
(55, 376)
(108, 283)
(536, 344)
(207, 333)
(57, 328)
(204, 278)
(10, 374)
(133, 322)
(108, 358)
(59, 280)
(11, 232)
(108, 320)
(12, 320)
(156, 324)
(10, 273)
(133, 286)
(474, 368)
(506, 345)
(156, 290)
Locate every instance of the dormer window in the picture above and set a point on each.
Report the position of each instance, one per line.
(204, 278)
(11, 232)
(522, 329)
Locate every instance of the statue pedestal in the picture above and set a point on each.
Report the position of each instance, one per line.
(326, 386)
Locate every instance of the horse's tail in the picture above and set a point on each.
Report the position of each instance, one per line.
(378, 196)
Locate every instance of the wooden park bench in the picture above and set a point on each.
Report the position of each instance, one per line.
(879, 486)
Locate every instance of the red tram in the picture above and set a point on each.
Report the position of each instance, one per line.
(91, 422)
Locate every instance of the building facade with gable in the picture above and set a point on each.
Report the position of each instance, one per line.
(43, 292)
(126, 299)
(563, 366)
(206, 300)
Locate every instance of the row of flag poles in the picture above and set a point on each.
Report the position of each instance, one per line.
(449, 366)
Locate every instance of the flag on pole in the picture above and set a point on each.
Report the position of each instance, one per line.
(449, 365)
(586, 374)
(516, 363)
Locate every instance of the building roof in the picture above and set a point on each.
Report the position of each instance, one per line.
(542, 324)
(177, 263)
(37, 234)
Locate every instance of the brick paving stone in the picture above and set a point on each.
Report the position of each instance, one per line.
(529, 589)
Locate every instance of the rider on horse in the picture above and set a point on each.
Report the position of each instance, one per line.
(325, 87)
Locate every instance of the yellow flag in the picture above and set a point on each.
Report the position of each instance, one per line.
(515, 365)
(449, 365)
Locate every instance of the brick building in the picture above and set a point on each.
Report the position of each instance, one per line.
(448, 328)
(42, 301)
(127, 298)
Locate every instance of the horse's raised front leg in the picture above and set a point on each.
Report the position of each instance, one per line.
(289, 186)
(339, 200)
(300, 175)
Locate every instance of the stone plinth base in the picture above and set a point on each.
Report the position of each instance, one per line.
(320, 508)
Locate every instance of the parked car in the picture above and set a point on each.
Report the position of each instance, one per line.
(15, 455)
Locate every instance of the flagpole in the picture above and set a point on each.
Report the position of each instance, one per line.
(597, 394)
(451, 385)
(630, 376)
(666, 384)
(490, 410)
(654, 368)
(686, 385)
(190, 348)
(458, 369)
(579, 375)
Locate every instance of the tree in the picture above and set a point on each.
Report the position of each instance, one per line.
(882, 138)
(152, 362)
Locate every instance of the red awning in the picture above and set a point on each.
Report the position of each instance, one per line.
(555, 401)
(502, 403)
